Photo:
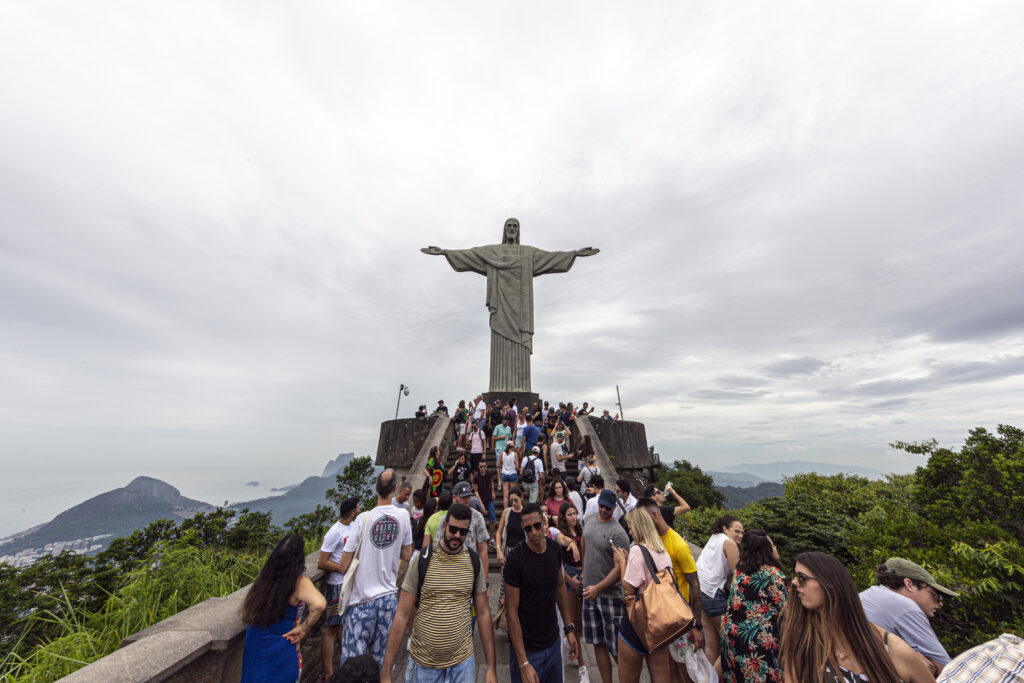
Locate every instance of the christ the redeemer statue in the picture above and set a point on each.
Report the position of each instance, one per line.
(510, 268)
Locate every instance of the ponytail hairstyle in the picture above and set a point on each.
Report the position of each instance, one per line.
(809, 637)
(722, 523)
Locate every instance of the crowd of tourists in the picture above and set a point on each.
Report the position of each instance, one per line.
(585, 561)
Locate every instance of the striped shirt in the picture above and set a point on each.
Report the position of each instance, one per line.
(442, 631)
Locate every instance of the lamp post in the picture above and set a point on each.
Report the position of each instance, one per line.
(402, 389)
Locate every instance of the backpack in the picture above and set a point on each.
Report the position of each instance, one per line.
(510, 415)
(530, 471)
(425, 556)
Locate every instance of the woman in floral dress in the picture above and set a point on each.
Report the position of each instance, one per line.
(750, 633)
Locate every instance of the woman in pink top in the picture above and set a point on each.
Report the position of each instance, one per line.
(635, 577)
(556, 496)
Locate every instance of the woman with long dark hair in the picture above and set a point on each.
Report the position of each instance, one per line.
(826, 637)
(557, 495)
(715, 568)
(271, 614)
(750, 632)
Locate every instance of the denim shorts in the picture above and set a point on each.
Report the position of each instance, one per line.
(490, 511)
(576, 573)
(464, 672)
(628, 635)
(714, 607)
(511, 478)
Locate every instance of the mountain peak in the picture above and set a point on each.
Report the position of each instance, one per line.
(155, 488)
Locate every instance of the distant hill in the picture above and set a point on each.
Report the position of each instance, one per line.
(301, 498)
(90, 526)
(737, 497)
(333, 467)
(118, 513)
(775, 471)
(734, 479)
(297, 500)
(337, 466)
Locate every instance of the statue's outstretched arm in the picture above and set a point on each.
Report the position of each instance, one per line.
(433, 251)
(587, 251)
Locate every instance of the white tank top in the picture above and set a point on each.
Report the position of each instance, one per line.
(712, 566)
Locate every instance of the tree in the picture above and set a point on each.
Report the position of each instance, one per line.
(696, 488)
(984, 480)
(357, 479)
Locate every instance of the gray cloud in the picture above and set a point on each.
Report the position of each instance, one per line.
(794, 366)
(810, 249)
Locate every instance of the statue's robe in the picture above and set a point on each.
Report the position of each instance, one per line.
(510, 269)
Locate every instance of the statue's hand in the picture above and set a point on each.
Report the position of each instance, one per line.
(587, 251)
(433, 251)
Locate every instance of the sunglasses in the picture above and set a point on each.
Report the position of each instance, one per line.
(533, 527)
(935, 594)
(801, 578)
(458, 530)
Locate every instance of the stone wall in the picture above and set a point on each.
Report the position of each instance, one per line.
(625, 442)
(405, 444)
(203, 643)
(400, 440)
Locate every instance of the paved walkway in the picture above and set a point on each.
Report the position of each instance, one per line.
(501, 647)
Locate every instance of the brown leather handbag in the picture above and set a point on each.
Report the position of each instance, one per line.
(659, 614)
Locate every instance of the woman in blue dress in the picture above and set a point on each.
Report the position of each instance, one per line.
(271, 614)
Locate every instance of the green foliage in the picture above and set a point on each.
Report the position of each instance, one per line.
(960, 516)
(357, 479)
(984, 480)
(162, 585)
(313, 525)
(690, 482)
(66, 610)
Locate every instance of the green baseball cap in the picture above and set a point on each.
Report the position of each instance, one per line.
(898, 566)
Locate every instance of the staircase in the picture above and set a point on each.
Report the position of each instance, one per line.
(448, 458)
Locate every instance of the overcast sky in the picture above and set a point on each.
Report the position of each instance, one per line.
(211, 213)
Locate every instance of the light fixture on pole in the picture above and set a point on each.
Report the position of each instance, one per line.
(402, 389)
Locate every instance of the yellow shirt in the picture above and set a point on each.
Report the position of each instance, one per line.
(682, 560)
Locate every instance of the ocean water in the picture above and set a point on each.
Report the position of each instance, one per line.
(28, 501)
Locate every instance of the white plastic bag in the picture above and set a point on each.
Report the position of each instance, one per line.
(698, 666)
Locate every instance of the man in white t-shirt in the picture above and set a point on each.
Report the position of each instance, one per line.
(401, 500)
(383, 536)
(558, 455)
(330, 554)
(479, 410)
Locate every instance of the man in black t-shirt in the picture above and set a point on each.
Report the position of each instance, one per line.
(533, 586)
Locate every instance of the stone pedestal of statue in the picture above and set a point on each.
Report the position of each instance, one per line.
(523, 398)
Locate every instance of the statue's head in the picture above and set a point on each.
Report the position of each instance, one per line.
(511, 233)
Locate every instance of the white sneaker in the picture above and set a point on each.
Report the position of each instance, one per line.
(584, 675)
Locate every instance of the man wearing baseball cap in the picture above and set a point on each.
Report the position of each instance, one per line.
(478, 536)
(904, 599)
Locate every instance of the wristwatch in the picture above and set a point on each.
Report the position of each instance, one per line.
(571, 628)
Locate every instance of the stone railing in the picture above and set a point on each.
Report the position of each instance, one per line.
(201, 643)
(405, 444)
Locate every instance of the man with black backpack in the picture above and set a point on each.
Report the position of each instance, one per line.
(443, 581)
(531, 474)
